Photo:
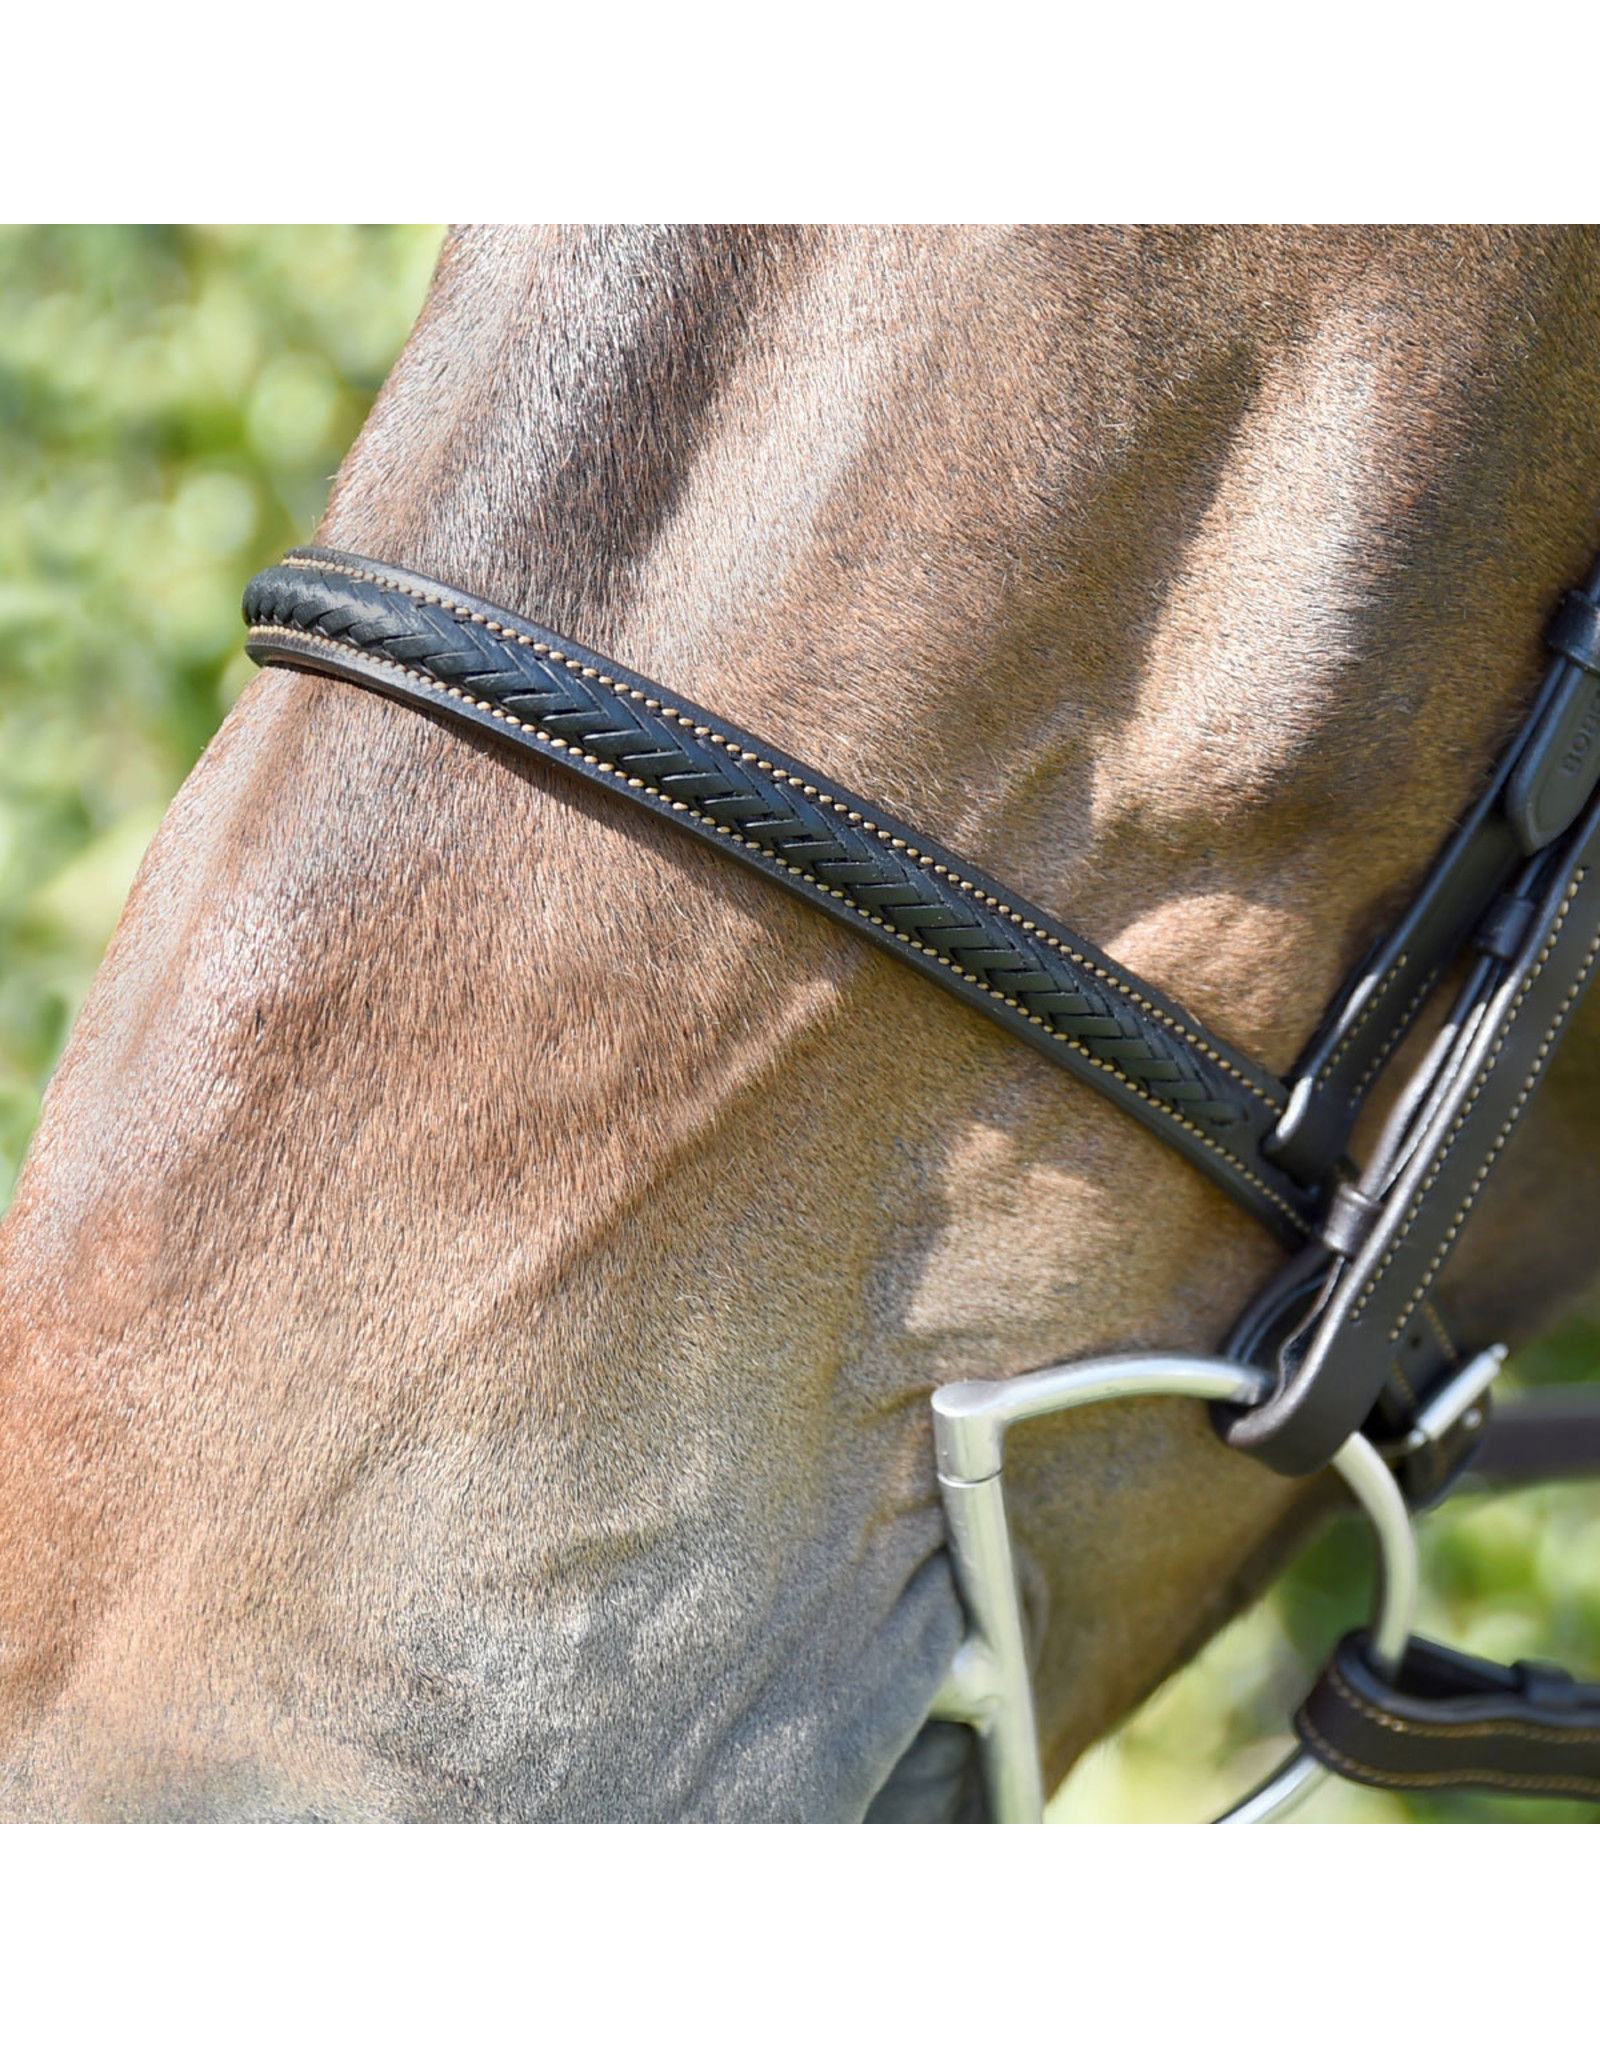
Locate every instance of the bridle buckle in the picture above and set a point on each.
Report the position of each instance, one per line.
(1445, 1437)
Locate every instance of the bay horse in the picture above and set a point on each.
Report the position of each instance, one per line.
(468, 1315)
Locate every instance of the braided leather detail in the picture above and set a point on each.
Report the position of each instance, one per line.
(428, 644)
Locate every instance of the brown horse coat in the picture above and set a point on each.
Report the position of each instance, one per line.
(467, 1318)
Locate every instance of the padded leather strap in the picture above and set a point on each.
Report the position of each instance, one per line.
(1350, 1325)
(472, 662)
(1449, 1720)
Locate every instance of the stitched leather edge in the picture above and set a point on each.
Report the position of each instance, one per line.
(543, 649)
(1337, 1050)
(1463, 1115)
(1400, 1724)
(1408, 1781)
(285, 618)
(314, 642)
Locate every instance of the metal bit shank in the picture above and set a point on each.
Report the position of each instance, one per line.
(989, 1686)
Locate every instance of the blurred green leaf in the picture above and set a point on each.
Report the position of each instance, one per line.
(173, 402)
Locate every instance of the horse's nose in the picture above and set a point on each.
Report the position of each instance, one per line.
(937, 1781)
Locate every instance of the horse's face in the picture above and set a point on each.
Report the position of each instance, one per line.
(471, 1307)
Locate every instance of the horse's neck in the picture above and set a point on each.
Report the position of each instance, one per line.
(1136, 564)
(481, 1162)
(1190, 581)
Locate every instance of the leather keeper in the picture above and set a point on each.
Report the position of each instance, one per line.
(1449, 1721)
(1557, 771)
(1349, 1221)
(1575, 631)
(1504, 927)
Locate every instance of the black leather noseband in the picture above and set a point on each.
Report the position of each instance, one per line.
(886, 880)
(1511, 907)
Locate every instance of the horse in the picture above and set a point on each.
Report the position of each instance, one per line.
(469, 1312)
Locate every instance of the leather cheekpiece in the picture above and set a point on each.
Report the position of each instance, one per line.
(1377, 1316)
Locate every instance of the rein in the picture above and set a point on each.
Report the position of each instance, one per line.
(1343, 1359)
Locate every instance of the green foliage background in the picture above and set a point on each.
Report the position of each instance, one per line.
(173, 402)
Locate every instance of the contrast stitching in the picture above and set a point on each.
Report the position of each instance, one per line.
(317, 641)
(1465, 1112)
(1441, 1332)
(1399, 1726)
(1502, 1780)
(1546, 1045)
(1336, 1050)
(546, 652)
(1402, 1025)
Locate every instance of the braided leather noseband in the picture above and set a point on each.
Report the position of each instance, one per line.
(420, 640)
(1347, 1339)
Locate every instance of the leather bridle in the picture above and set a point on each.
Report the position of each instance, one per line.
(1343, 1359)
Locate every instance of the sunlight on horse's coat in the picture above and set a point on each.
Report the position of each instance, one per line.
(469, 1314)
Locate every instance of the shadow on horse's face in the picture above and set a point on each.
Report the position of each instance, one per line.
(471, 1308)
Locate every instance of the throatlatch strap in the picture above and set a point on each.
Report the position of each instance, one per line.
(455, 654)
(1450, 1721)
